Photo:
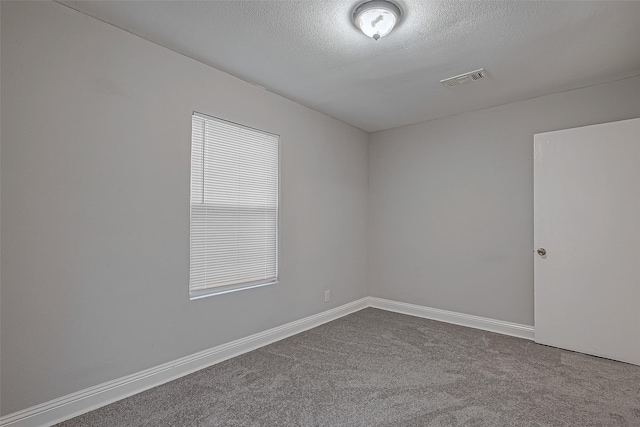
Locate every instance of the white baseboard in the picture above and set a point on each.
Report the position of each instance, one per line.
(486, 324)
(86, 400)
(83, 401)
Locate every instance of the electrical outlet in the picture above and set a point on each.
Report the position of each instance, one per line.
(327, 296)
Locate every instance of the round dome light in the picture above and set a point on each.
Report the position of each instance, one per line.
(376, 18)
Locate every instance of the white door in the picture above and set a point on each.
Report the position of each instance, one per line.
(587, 219)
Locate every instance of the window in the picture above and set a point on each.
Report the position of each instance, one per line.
(234, 207)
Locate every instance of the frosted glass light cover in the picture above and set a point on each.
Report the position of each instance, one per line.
(376, 21)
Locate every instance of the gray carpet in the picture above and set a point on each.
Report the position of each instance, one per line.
(376, 368)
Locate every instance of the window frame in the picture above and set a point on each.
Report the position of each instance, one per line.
(221, 290)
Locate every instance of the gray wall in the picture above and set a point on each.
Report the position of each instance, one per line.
(451, 201)
(0, 203)
(95, 205)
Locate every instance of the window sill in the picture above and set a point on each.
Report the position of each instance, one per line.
(227, 289)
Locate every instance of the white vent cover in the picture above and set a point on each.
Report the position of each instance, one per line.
(464, 78)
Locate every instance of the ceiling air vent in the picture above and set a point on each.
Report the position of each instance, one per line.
(464, 78)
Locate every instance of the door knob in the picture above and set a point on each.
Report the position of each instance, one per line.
(542, 251)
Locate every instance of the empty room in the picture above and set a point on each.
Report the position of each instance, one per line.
(319, 213)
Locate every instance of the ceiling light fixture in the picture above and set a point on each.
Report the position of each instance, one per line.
(376, 18)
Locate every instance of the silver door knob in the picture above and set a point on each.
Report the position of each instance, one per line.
(542, 251)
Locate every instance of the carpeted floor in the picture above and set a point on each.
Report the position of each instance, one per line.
(376, 368)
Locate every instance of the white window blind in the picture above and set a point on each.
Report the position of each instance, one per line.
(234, 207)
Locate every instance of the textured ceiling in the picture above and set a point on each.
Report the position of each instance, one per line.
(310, 52)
